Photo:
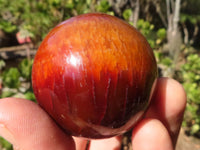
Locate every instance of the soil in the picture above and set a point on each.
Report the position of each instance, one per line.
(186, 142)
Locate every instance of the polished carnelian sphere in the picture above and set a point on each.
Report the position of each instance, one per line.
(94, 75)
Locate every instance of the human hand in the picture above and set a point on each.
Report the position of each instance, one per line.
(28, 127)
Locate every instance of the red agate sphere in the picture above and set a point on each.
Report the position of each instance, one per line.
(94, 75)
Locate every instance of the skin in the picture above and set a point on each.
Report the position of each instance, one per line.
(28, 127)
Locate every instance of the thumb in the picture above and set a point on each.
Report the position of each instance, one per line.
(28, 127)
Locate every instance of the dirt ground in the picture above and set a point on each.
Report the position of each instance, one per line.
(187, 142)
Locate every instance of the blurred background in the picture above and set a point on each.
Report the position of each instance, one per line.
(172, 28)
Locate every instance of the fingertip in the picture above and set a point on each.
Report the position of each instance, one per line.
(168, 105)
(113, 143)
(150, 134)
(27, 126)
(177, 95)
(169, 96)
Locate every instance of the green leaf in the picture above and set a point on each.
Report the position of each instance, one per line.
(5, 144)
(2, 64)
(127, 14)
(11, 78)
(7, 26)
(195, 128)
(7, 94)
(103, 6)
(25, 67)
(30, 96)
(161, 33)
(166, 61)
